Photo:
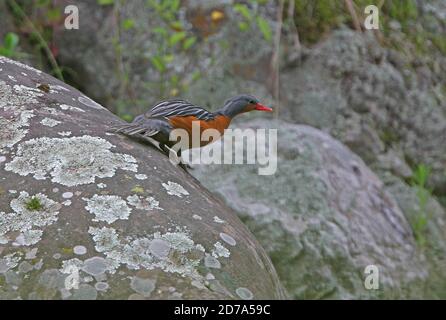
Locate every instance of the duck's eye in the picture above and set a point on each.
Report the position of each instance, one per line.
(252, 102)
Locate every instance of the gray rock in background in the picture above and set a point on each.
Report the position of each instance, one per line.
(222, 59)
(391, 113)
(324, 216)
(86, 214)
(5, 20)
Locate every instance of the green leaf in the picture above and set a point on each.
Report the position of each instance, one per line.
(105, 2)
(127, 117)
(53, 14)
(158, 63)
(243, 10)
(176, 37)
(11, 41)
(189, 42)
(176, 25)
(264, 28)
(174, 80)
(421, 175)
(42, 3)
(160, 30)
(174, 5)
(243, 26)
(4, 52)
(168, 58)
(128, 24)
(196, 75)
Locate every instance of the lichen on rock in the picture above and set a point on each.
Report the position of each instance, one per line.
(175, 189)
(69, 161)
(173, 252)
(25, 220)
(108, 208)
(148, 203)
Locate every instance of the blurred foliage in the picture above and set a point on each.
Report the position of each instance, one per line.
(178, 35)
(9, 46)
(419, 222)
(35, 21)
(250, 17)
(314, 19)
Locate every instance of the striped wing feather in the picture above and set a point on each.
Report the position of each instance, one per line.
(176, 108)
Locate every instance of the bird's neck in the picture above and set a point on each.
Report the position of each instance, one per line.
(226, 111)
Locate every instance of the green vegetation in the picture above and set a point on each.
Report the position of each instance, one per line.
(34, 204)
(419, 222)
(249, 17)
(176, 37)
(9, 47)
(37, 29)
(314, 19)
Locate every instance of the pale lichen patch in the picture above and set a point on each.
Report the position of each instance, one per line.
(28, 238)
(173, 252)
(89, 103)
(67, 203)
(101, 286)
(69, 161)
(16, 97)
(25, 219)
(13, 130)
(55, 87)
(95, 266)
(27, 92)
(141, 176)
(79, 250)
(220, 251)
(148, 203)
(218, 220)
(175, 189)
(64, 133)
(107, 208)
(48, 122)
(212, 262)
(228, 239)
(244, 293)
(67, 195)
(19, 64)
(142, 286)
(9, 261)
(31, 254)
(66, 107)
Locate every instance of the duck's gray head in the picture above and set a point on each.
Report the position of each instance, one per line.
(242, 103)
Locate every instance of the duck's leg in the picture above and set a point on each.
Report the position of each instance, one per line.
(174, 157)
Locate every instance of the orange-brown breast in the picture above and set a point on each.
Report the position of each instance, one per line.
(219, 123)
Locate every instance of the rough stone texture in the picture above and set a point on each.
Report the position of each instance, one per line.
(86, 214)
(387, 107)
(324, 216)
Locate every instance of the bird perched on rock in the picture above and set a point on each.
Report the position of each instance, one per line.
(157, 123)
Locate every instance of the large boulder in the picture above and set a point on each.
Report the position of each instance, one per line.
(324, 216)
(87, 214)
(388, 107)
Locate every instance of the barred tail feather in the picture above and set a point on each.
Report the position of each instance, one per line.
(133, 129)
